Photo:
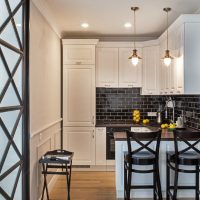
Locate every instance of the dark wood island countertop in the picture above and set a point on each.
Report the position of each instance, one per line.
(166, 135)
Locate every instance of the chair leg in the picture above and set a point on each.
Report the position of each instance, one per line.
(154, 183)
(129, 183)
(167, 181)
(125, 183)
(158, 183)
(175, 183)
(197, 183)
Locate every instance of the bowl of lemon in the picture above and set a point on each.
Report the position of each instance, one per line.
(170, 126)
(146, 121)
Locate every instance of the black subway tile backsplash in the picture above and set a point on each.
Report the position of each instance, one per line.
(116, 104)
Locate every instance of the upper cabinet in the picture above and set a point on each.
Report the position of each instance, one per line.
(79, 52)
(150, 71)
(182, 76)
(129, 75)
(114, 69)
(107, 67)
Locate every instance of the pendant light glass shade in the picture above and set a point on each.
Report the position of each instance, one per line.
(167, 58)
(134, 57)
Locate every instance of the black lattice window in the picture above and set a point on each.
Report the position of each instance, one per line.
(13, 98)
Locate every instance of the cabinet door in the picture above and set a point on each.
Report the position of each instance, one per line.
(150, 70)
(81, 141)
(179, 57)
(129, 75)
(79, 95)
(107, 67)
(163, 69)
(79, 54)
(101, 146)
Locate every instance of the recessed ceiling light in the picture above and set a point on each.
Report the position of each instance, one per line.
(85, 25)
(127, 25)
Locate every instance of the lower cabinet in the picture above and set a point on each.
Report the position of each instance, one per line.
(81, 141)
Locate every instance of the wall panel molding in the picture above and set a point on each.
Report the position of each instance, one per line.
(46, 127)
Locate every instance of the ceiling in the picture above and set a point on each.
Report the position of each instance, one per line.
(107, 17)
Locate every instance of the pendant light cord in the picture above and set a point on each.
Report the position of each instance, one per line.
(167, 32)
(134, 29)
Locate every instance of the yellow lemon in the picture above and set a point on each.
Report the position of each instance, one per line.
(148, 121)
(163, 126)
(144, 121)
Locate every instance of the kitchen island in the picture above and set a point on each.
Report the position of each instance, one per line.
(166, 145)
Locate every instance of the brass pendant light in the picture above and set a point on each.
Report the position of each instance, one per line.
(167, 58)
(134, 57)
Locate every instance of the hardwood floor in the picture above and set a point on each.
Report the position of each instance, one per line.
(86, 186)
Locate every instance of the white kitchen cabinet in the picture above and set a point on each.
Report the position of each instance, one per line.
(150, 72)
(79, 54)
(101, 146)
(129, 75)
(184, 45)
(78, 95)
(79, 51)
(81, 141)
(107, 67)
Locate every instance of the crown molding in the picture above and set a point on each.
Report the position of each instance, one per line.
(48, 15)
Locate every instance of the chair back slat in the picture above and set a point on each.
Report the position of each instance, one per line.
(185, 137)
(144, 140)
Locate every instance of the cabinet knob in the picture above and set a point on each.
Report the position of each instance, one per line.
(78, 63)
(171, 92)
(178, 91)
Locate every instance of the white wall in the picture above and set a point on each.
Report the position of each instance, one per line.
(45, 89)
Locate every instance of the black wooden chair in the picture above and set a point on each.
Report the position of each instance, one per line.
(187, 156)
(144, 155)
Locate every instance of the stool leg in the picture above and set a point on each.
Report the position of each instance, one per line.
(129, 183)
(68, 183)
(197, 182)
(45, 182)
(167, 181)
(125, 182)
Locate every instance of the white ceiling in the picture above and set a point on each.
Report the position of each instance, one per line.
(107, 17)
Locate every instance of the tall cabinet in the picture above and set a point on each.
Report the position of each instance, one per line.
(79, 99)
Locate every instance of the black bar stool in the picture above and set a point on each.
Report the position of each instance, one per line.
(189, 156)
(144, 155)
(57, 159)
